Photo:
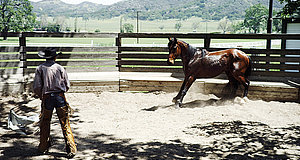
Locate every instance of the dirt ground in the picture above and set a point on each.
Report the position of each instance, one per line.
(118, 125)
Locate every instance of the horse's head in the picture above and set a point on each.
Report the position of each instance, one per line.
(174, 50)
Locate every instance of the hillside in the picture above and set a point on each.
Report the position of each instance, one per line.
(54, 8)
(129, 7)
(151, 10)
(211, 9)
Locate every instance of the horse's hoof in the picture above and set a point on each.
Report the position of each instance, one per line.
(246, 99)
(240, 100)
(174, 100)
(178, 104)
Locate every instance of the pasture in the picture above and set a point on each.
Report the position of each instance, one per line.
(124, 125)
(113, 25)
(87, 42)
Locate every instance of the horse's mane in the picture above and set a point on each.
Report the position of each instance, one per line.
(191, 50)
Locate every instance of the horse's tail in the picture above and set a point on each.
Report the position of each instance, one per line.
(249, 68)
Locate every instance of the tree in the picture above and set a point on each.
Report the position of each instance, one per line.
(16, 15)
(178, 25)
(68, 29)
(85, 19)
(238, 27)
(290, 8)
(224, 25)
(43, 21)
(75, 25)
(256, 18)
(128, 27)
(195, 26)
(161, 27)
(60, 22)
(277, 23)
(53, 28)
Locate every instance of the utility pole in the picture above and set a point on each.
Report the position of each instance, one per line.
(121, 24)
(137, 24)
(270, 19)
(269, 30)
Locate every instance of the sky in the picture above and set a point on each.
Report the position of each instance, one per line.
(105, 2)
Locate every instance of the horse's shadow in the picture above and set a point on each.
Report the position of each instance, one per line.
(192, 104)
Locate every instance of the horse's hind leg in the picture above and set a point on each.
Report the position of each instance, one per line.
(239, 74)
(235, 86)
(231, 86)
(245, 82)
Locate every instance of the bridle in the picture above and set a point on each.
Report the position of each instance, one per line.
(174, 52)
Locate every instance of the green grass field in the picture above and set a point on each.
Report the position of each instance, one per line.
(113, 26)
(107, 42)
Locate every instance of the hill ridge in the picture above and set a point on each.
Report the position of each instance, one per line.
(151, 10)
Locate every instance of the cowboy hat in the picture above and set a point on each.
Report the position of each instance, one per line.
(48, 53)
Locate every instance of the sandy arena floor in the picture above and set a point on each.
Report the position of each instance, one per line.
(117, 125)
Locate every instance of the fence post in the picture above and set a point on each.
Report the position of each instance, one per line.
(23, 61)
(23, 54)
(283, 49)
(207, 42)
(283, 43)
(119, 44)
(268, 48)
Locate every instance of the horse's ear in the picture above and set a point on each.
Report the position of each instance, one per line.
(175, 39)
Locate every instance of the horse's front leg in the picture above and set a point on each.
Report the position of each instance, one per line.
(180, 91)
(184, 88)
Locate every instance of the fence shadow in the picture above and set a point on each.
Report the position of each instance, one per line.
(227, 140)
(230, 140)
(250, 140)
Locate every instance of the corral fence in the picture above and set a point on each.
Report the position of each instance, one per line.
(270, 62)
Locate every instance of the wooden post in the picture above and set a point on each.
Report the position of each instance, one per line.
(268, 48)
(207, 42)
(283, 31)
(23, 54)
(283, 50)
(119, 44)
(23, 61)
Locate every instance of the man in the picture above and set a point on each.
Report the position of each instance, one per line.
(50, 83)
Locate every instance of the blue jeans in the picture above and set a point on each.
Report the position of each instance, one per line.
(54, 101)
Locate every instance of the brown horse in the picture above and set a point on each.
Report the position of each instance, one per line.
(199, 63)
